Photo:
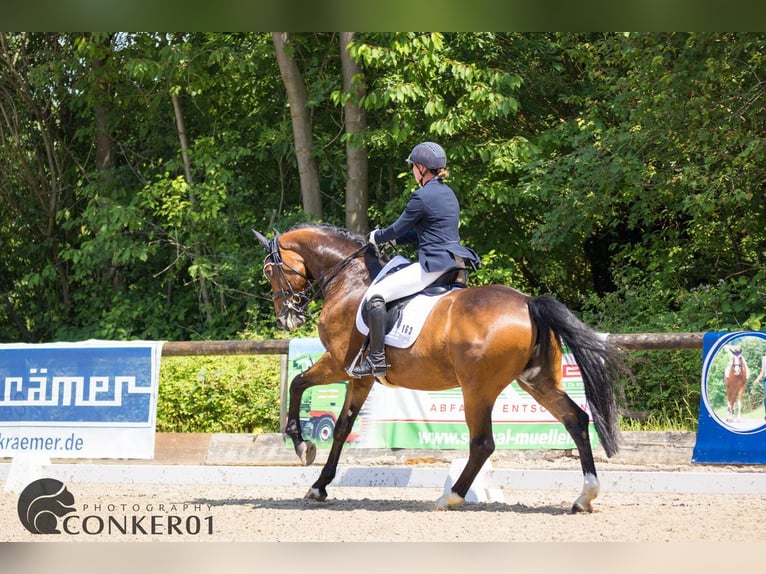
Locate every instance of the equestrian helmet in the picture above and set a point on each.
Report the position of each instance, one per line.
(428, 154)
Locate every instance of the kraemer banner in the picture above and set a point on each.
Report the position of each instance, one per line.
(402, 418)
(732, 419)
(94, 399)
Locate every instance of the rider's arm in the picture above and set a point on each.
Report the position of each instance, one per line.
(402, 229)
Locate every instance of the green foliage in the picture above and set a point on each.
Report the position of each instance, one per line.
(622, 173)
(219, 395)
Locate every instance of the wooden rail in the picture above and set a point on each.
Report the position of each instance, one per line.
(191, 348)
(629, 342)
(657, 341)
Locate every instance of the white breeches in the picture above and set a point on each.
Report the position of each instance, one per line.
(406, 281)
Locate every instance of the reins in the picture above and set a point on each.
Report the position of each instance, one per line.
(298, 301)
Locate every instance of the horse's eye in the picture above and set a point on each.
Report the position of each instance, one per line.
(267, 270)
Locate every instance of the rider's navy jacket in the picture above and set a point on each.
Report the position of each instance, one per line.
(431, 219)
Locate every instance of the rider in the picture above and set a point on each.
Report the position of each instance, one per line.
(431, 220)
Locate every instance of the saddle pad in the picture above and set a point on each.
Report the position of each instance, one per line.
(413, 317)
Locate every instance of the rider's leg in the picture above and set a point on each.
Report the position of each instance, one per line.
(375, 363)
(406, 281)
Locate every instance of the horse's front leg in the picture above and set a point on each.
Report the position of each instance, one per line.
(323, 372)
(356, 394)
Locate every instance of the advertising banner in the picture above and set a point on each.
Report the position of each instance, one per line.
(732, 419)
(94, 399)
(402, 418)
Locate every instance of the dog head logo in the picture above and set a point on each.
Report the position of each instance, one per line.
(42, 503)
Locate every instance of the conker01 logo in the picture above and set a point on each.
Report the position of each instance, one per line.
(42, 503)
(47, 507)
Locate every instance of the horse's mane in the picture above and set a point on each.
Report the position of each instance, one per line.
(374, 259)
(333, 230)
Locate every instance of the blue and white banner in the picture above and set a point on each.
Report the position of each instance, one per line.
(93, 399)
(732, 419)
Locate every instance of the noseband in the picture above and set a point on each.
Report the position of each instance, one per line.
(297, 301)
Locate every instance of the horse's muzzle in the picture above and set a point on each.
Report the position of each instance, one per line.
(290, 321)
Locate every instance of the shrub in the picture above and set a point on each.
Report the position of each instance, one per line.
(230, 394)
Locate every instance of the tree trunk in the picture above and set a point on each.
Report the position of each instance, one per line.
(297, 98)
(355, 120)
(104, 161)
(181, 128)
(204, 293)
(103, 136)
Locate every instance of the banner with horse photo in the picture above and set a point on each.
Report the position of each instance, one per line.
(430, 420)
(732, 419)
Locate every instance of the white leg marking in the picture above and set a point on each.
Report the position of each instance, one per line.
(590, 490)
(314, 494)
(448, 501)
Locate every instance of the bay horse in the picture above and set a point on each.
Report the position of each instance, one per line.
(735, 378)
(477, 338)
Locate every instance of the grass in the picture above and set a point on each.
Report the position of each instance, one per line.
(678, 415)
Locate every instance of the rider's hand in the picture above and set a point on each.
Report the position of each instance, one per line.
(372, 237)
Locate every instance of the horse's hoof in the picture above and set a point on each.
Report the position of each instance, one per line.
(448, 501)
(578, 507)
(316, 494)
(307, 452)
(589, 492)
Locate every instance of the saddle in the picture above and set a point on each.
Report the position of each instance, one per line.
(456, 278)
(405, 316)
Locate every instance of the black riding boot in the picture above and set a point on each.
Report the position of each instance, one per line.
(375, 363)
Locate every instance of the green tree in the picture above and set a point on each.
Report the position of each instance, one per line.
(656, 177)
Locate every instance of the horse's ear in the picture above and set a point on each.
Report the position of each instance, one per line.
(261, 239)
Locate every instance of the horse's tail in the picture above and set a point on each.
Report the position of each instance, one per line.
(597, 359)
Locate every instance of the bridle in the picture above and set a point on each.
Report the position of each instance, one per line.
(297, 302)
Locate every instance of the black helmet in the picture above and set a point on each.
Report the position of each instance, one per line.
(429, 154)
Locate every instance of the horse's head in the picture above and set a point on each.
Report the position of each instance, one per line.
(736, 362)
(737, 365)
(290, 284)
(314, 258)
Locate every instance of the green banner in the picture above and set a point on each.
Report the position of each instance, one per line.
(429, 420)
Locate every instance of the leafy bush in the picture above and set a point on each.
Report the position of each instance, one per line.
(231, 394)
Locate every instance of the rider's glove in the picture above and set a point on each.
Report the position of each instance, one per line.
(372, 237)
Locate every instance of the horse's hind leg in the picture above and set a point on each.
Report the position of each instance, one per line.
(548, 393)
(356, 393)
(478, 417)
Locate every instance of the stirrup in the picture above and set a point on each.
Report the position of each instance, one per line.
(367, 368)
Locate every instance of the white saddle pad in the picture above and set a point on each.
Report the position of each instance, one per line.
(413, 316)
